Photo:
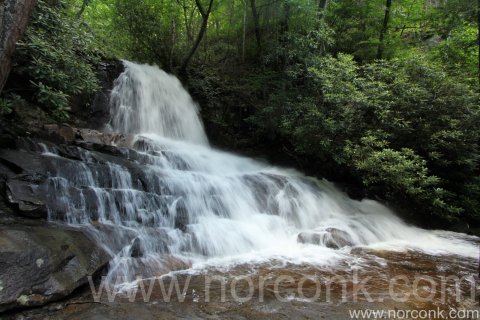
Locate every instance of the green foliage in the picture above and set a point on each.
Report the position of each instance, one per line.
(57, 55)
(151, 27)
(404, 126)
(459, 51)
(99, 16)
(54, 99)
(357, 26)
(5, 106)
(7, 103)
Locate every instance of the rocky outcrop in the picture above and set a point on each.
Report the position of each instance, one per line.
(81, 177)
(38, 175)
(66, 134)
(44, 262)
(94, 114)
(38, 178)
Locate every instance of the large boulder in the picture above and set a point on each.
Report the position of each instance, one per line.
(63, 133)
(43, 262)
(331, 237)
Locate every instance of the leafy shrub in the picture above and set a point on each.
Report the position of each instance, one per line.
(8, 101)
(57, 55)
(405, 127)
(5, 106)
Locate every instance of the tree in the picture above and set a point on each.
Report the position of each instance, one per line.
(478, 38)
(205, 14)
(322, 6)
(256, 26)
(386, 18)
(85, 4)
(14, 16)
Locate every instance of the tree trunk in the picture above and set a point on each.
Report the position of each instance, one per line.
(256, 25)
(201, 33)
(174, 40)
(244, 31)
(188, 22)
(284, 27)
(322, 6)
(14, 15)
(85, 4)
(381, 45)
(478, 35)
(286, 17)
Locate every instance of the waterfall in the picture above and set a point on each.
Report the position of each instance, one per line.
(147, 99)
(174, 198)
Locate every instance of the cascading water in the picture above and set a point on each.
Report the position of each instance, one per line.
(175, 198)
(147, 99)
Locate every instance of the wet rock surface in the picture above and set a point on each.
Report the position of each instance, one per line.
(76, 175)
(35, 173)
(44, 262)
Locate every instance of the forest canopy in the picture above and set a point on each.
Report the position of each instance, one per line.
(379, 93)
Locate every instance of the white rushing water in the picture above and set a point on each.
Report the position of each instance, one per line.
(147, 99)
(188, 201)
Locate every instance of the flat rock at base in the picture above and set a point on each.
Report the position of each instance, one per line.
(43, 263)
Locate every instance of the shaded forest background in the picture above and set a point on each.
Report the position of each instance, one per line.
(381, 96)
